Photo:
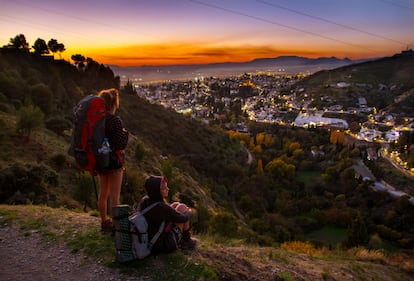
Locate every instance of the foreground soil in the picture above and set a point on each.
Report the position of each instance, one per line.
(26, 255)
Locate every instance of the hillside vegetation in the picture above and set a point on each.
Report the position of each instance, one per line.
(215, 259)
(379, 81)
(300, 186)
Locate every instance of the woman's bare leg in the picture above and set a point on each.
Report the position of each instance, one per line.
(115, 183)
(103, 196)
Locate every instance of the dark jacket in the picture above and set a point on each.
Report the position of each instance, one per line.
(159, 213)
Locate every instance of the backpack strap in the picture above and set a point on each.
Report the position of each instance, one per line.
(160, 230)
(156, 236)
(149, 207)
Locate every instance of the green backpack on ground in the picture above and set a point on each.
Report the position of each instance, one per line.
(131, 233)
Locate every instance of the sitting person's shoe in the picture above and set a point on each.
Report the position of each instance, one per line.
(107, 227)
(188, 243)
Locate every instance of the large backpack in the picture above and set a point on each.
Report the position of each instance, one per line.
(141, 245)
(89, 133)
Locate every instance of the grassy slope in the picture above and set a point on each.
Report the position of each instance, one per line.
(212, 261)
(235, 262)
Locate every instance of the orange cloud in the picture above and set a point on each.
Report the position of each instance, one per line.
(173, 54)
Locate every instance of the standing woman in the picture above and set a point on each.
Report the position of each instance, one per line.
(110, 178)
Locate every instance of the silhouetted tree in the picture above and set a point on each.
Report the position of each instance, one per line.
(55, 46)
(129, 88)
(78, 60)
(40, 47)
(19, 43)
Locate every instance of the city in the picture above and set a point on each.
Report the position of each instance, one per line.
(273, 98)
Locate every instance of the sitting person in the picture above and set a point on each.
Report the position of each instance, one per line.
(177, 216)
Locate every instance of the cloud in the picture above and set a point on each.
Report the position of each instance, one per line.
(192, 53)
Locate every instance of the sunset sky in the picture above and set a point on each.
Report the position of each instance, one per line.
(156, 32)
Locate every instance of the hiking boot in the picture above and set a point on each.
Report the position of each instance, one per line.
(107, 227)
(187, 243)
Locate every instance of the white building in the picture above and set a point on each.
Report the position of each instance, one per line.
(304, 120)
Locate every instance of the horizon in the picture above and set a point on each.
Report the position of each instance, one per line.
(187, 32)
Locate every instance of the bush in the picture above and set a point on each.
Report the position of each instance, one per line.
(29, 118)
(132, 187)
(84, 192)
(200, 223)
(8, 108)
(42, 97)
(29, 182)
(375, 242)
(300, 247)
(58, 125)
(223, 224)
(139, 151)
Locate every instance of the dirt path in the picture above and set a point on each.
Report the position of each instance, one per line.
(28, 257)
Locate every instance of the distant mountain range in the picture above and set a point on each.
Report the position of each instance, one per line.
(282, 64)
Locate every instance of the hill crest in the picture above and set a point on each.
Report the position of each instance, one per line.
(282, 64)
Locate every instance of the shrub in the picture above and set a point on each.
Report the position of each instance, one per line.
(29, 118)
(202, 218)
(29, 182)
(371, 255)
(223, 224)
(41, 95)
(139, 151)
(85, 189)
(375, 241)
(133, 187)
(58, 125)
(300, 247)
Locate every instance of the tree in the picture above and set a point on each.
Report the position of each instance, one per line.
(259, 167)
(58, 124)
(40, 47)
(337, 137)
(279, 169)
(19, 43)
(55, 46)
(129, 88)
(42, 97)
(79, 60)
(330, 175)
(347, 177)
(293, 146)
(357, 233)
(224, 224)
(29, 118)
(264, 139)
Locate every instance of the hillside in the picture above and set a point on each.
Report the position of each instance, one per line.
(285, 195)
(379, 81)
(388, 70)
(76, 251)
